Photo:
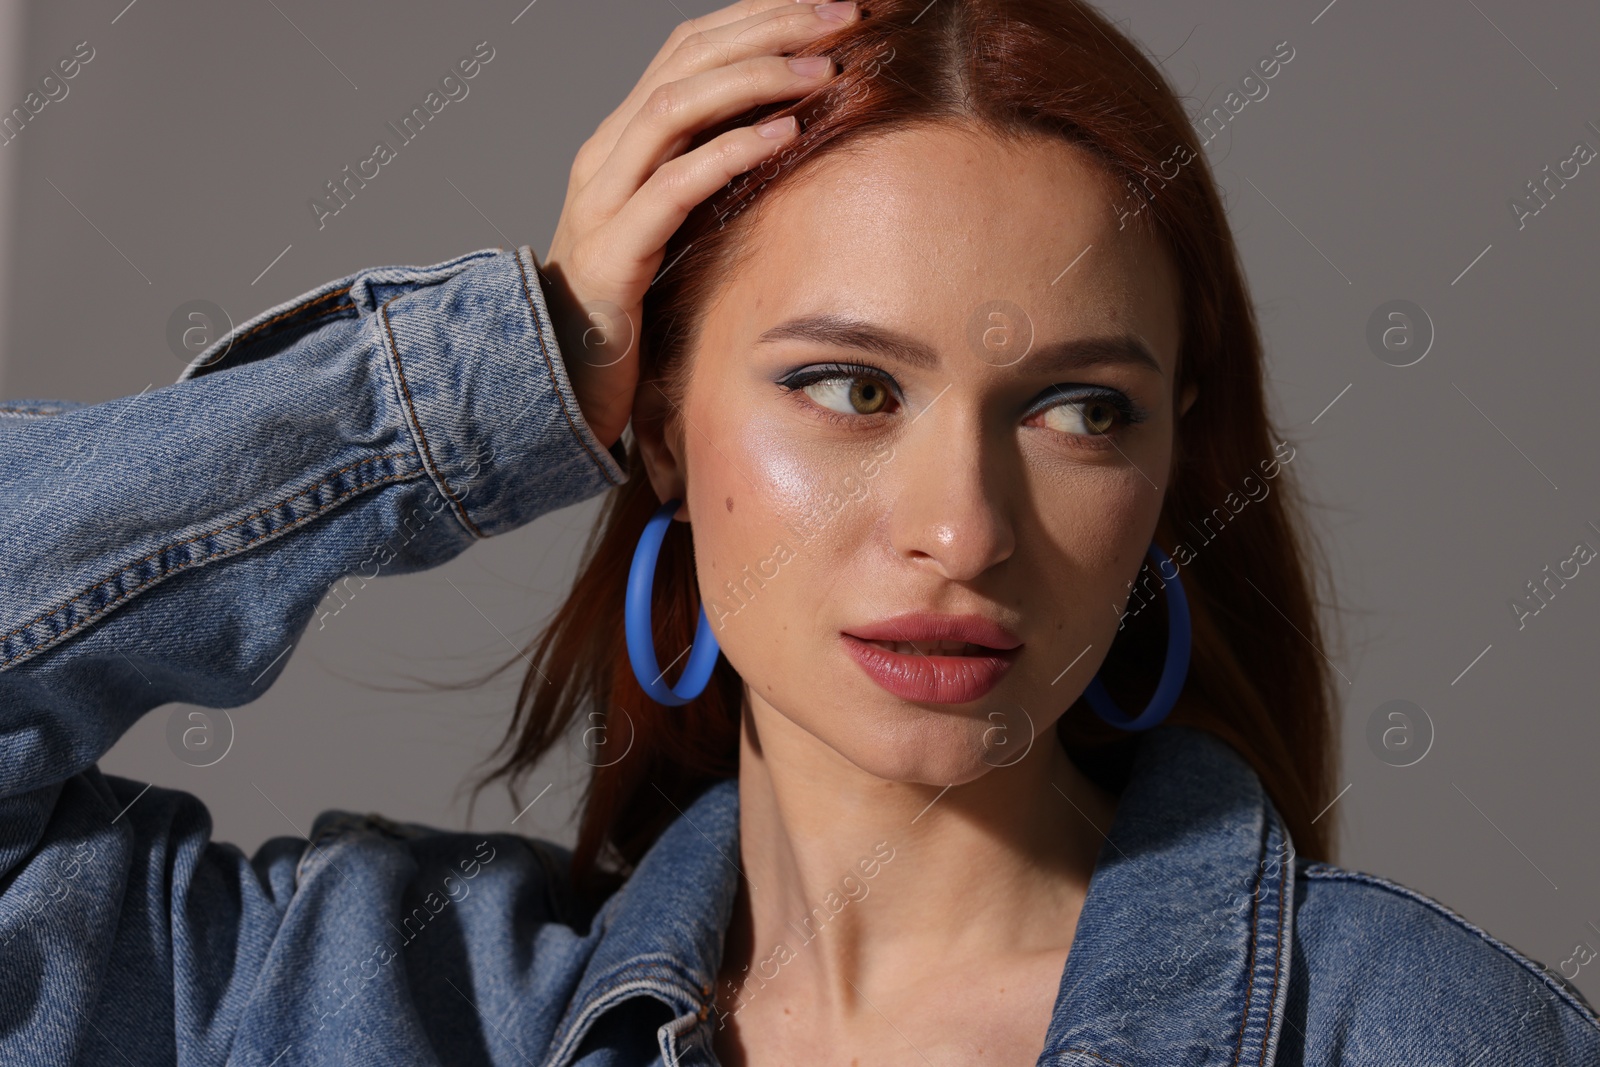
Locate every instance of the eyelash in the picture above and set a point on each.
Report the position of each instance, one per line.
(1128, 412)
(796, 381)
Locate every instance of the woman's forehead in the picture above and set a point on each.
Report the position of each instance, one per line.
(925, 229)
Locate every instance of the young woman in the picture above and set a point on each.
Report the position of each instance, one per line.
(947, 411)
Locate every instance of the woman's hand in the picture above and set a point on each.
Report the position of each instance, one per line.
(632, 185)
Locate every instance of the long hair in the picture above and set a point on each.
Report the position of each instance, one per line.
(1016, 68)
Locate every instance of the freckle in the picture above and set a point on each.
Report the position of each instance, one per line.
(786, 1011)
(1059, 625)
(730, 503)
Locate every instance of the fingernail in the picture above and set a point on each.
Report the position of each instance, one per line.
(809, 65)
(838, 12)
(777, 127)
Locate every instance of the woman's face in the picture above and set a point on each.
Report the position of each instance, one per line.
(924, 393)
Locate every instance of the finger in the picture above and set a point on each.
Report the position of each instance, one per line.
(638, 233)
(690, 29)
(662, 128)
(778, 26)
(703, 27)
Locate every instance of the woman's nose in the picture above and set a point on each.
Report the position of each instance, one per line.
(951, 509)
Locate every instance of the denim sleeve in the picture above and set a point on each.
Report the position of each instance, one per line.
(172, 546)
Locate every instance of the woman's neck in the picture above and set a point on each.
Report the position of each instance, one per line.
(852, 883)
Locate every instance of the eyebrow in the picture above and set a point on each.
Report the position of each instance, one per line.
(1052, 357)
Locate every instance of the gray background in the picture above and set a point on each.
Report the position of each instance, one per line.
(1378, 167)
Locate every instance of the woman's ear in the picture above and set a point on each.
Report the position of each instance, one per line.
(1190, 392)
(655, 427)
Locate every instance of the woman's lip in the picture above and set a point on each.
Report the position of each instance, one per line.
(932, 626)
(931, 679)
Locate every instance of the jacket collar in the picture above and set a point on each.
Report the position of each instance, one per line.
(1180, 957)
(661, 933)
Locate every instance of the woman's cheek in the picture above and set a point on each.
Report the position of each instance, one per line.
(778, 516)
(799, 485)
(1101, 523)
(747, 498)
(792, 481)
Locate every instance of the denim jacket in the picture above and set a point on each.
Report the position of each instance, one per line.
(173, 546)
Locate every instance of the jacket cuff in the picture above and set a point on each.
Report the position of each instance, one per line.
(482, 384)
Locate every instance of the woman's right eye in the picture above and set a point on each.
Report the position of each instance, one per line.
(842, 392)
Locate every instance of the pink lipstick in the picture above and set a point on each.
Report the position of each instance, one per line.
(940, 659)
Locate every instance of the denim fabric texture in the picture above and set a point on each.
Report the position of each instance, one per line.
(172, 547)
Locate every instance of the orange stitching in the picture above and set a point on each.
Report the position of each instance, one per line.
(1277, 959)
(201, 537)
(309, 318)
(1250, 965)
(336, 309)
(297, 310)
(539, 336)
(422, 437)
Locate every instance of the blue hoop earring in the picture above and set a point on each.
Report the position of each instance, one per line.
(1173, 672)
(636, 619)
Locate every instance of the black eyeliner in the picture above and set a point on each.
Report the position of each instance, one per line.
(1131, 412)
(812, 373)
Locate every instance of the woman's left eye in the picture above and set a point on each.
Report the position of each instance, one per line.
(1093, 416)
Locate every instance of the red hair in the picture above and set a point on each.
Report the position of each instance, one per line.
(1021, 69)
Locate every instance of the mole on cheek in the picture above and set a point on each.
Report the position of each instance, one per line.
(730, 503)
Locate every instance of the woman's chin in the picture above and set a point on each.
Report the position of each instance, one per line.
(937, 755)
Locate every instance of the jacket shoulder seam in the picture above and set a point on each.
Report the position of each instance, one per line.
(1325, 872)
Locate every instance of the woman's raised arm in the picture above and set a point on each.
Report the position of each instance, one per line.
(172, 546)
